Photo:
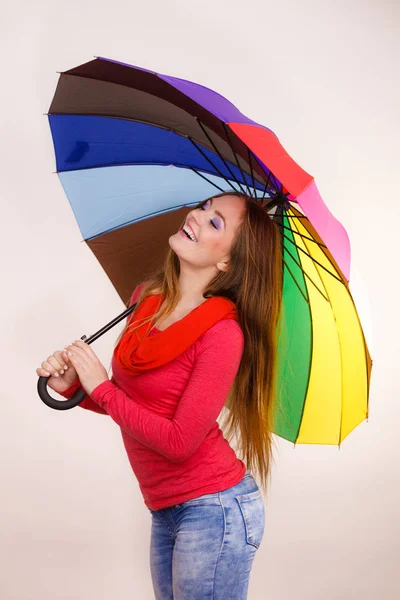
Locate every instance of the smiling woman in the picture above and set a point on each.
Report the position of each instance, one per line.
(213, 347)
(212, 225)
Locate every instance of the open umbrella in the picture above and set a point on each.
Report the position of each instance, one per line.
(135, 148)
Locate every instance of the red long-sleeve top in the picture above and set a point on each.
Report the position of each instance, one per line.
(167, 418)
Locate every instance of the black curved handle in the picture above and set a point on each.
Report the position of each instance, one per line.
(58, 404)
(79, 394)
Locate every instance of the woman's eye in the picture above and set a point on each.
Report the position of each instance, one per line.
(203, 207)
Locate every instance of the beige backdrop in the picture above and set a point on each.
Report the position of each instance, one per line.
(324, 76)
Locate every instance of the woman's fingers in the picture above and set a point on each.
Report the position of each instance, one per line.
(42, 372)
(47, 370)
(80, 353)
(54, 365)
(62, 358)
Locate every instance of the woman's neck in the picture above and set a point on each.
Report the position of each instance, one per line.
(192, 286)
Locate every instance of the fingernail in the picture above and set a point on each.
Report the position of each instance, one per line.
(46, 373)
(61, 372)
(70, 353)
(55, 374)
(65, 367)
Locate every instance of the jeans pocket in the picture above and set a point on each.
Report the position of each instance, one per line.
(253, 513)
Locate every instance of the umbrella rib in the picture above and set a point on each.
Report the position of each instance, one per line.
(276, 183)
(300, 234)
(134, 164)
(235, 155)
(219, 154)
(313, 259)
(266, 185)
(325, 252)
(251, 171)
(213, 166)
(298, 217)
(212, 183)
(294, 279)
(280, 209)
(306, 274)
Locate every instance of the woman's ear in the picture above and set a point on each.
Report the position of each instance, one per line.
(223, 265)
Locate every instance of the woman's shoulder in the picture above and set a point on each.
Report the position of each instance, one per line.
(136, 292)
(224, 332)
(221, 344)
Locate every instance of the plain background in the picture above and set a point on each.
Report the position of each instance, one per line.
(324, 76)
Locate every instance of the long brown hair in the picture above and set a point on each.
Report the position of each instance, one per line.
(254, 282)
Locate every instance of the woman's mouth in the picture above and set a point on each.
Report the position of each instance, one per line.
(185, 235)
(188, 232)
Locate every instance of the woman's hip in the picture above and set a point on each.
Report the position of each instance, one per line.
(237, 511)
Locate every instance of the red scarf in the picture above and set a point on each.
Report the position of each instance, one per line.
(136, 353)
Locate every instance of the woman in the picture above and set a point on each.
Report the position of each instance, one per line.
(207, 325)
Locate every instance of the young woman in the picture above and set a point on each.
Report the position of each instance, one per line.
(202, 337)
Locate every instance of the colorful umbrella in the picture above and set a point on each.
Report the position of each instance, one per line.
(135, 148)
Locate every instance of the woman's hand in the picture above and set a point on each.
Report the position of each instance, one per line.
(90, 371)
(60, 371)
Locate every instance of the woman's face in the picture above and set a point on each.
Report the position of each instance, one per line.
(214, 227)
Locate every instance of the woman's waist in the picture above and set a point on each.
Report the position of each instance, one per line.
(178, 488)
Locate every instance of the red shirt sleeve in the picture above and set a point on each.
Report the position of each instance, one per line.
(87, 402)
(216, 364)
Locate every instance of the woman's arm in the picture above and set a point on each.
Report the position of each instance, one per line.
(87, 402)
(216, 365)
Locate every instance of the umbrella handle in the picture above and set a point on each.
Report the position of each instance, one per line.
(79, 394)
(58, 404)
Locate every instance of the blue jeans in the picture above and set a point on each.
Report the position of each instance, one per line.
(204, 548)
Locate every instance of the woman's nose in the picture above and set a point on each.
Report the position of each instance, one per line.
(193, 216)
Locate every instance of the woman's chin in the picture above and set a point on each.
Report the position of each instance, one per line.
(176, 242)
(181, 247)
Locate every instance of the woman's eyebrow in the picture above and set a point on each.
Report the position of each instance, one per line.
(219, 214)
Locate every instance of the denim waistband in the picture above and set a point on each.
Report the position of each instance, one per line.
(245, 486)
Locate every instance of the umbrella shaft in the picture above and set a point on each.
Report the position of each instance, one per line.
(109, 325)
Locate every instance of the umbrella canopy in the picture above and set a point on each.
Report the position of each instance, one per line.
(134, 149)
